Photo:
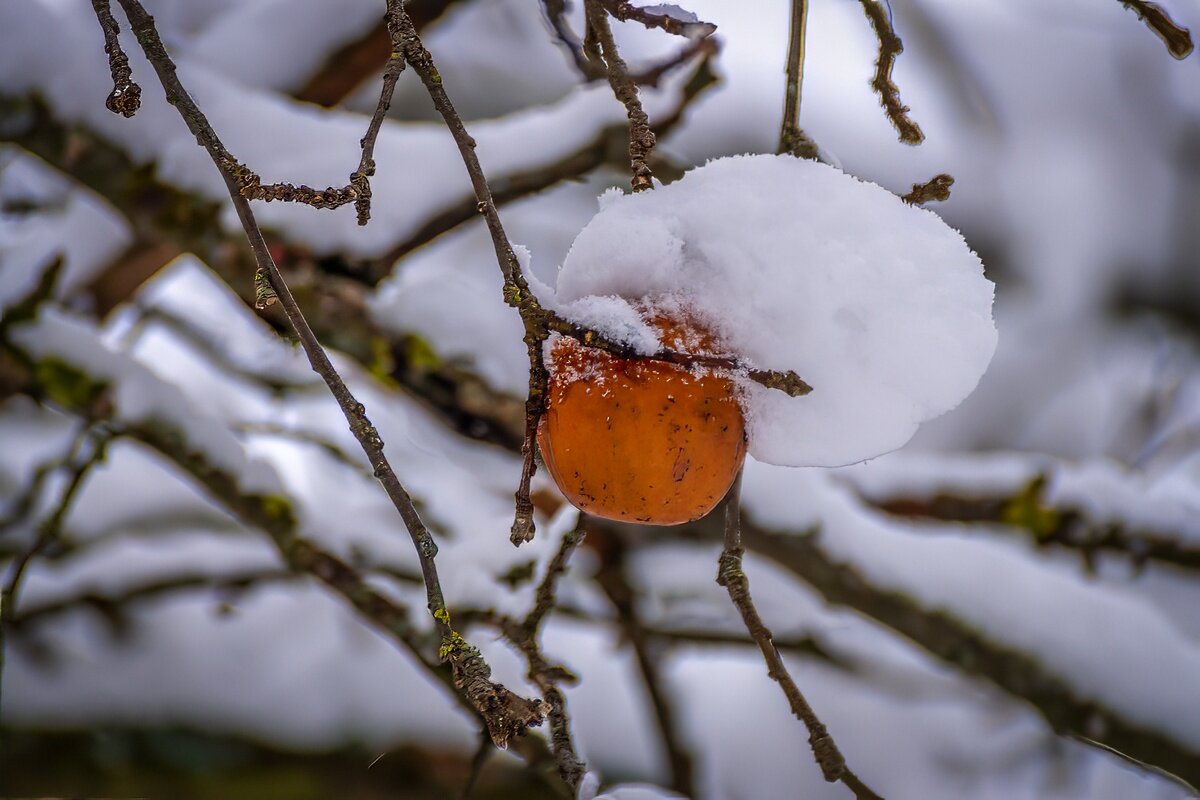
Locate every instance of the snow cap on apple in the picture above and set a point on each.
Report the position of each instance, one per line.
(794, 265)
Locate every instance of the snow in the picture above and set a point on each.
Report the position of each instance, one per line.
(31, 242)
(276, 44)
(792, 264)
(640, 791)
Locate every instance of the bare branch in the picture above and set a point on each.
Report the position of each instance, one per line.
(523, 635)
(890, 46)
(792, 138)
(1177, 38)
(641, 138)
(936, 188)
(730, 575)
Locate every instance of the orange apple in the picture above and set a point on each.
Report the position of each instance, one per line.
(637, 440)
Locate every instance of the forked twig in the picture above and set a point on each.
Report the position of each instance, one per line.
(523, 635)
(730, 575)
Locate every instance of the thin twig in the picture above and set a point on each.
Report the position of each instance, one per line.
(786, 381)
(1177, 38)
(556, 11)
(126, 96)
(890, 46)
(730, 575)
(516, 290)
(936, 188)
(641, 138)
(688, 29)
(472, 674)
(792, 138)
(523, 635)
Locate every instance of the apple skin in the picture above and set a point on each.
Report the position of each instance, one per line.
(637, 440)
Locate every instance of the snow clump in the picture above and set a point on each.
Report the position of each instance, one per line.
(795, 265)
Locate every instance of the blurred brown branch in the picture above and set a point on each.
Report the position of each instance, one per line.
(1177, 38)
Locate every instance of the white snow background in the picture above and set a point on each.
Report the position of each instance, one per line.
(1072, 137)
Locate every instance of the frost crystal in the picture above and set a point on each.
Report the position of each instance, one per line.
(792, 264)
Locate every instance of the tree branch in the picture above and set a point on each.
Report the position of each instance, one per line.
(556, 11)
(730, 575)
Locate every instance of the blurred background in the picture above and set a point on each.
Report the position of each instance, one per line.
(1007, 607)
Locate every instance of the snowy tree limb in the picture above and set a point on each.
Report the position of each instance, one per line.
(1048, 524)
(87, 450)
(730, 575)
(890, 46)
(953, 641)
(506, 714)
(346, 69)
(1177, 38)
(613, 580)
